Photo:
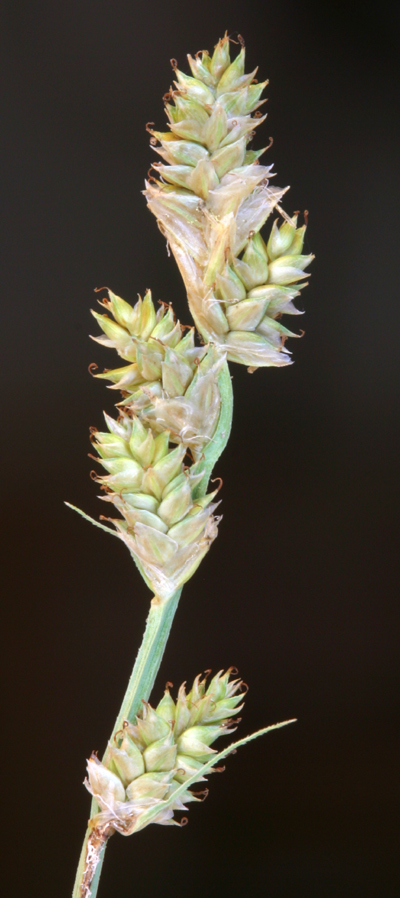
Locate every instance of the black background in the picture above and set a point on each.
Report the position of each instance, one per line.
(300, 590)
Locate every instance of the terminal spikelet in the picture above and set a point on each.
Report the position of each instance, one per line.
(171, 383)
(211, 198)
(150, 760)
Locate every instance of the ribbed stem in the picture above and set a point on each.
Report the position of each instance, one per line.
(145, 670)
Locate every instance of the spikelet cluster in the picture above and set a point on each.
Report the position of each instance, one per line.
(211, 197)
(149, 761)
(167, 530)
(171, 396)
(171, 383)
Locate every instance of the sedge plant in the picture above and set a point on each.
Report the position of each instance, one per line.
(211, 197)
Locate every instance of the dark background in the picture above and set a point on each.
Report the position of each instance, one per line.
(300, 590)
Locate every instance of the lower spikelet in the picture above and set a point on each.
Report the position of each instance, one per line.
(148, 761)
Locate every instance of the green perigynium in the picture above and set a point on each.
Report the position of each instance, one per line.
(211, 197)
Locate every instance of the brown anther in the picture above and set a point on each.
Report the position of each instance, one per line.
(97, 289)
(148, 127)
(219, 769)
(301, 334)
(169, 685)
(94, 476)
(167, 96)
(254, 81)
(184, 821)
(102, 517)
(214, 480)
(92, 367)
(233, 671)
(305, 213)
(258, 114)
(174, 64)
(271, 140)
(93, 431)
(94, 457)
(116, 735)
(241, 41)
(246, 687)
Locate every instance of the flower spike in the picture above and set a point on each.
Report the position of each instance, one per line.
(211, 199)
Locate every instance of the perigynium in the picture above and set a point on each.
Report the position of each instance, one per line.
(211, 197)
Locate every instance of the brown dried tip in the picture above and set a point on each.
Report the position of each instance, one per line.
(92, 367)
(241, 41)
(174, 64)
(202, 795)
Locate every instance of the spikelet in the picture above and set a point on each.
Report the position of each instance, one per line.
(167, 530)
(149, 761)
(171, 383)
(211, 197)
